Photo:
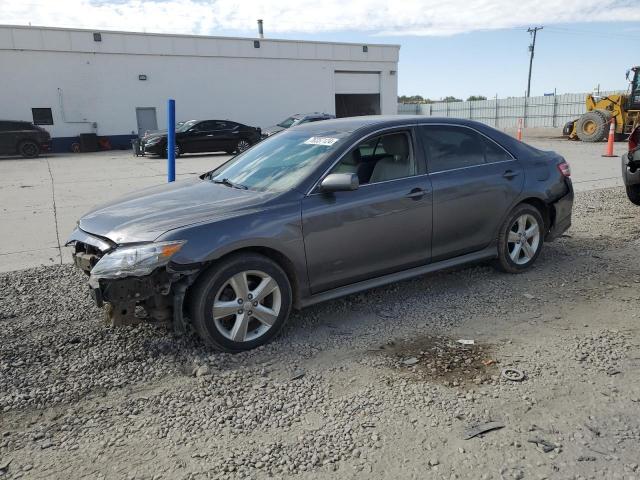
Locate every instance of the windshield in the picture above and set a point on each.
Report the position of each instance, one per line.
(278, 163)
(288, 122)
(184, 126)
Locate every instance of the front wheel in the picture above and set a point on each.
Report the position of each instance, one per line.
(520, 239)
(240, 303)
(633, 193)
(177, 150)
(242, 145)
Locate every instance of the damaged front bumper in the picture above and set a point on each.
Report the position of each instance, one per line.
(151, 290)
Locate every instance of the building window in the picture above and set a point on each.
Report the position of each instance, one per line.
(42, 116)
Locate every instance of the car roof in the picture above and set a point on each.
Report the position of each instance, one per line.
(214, 120)
(351, 124)
(312, 114)
(371, 123)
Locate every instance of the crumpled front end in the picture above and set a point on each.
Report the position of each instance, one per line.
(134, 283)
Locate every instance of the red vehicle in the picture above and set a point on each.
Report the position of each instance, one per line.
(631, 167)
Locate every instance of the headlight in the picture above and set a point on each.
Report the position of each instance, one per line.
(153, 140)
(134, 261)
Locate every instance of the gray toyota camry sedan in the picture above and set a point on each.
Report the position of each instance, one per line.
(316, 212)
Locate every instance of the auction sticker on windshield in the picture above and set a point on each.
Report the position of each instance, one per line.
(326, 141)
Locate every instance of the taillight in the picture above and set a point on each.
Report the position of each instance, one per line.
(565, 169)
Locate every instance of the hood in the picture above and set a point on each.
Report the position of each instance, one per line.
(150, 135)
(145, 215)
(271, 130)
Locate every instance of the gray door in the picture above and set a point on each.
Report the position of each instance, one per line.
(382, 227)
(475, 182)
(146, 117)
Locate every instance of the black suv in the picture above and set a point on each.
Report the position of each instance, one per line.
(24, 138)
(197, 136)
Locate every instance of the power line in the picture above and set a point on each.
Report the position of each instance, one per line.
(533, 31)
(591, 33)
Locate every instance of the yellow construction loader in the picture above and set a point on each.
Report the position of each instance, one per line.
(593, 126)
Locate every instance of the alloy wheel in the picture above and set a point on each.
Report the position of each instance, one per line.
(29, 149)
(523, 239)
(176, 150)
(247, 305)
(243, 145)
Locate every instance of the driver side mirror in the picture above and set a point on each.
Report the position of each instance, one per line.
(340, 182)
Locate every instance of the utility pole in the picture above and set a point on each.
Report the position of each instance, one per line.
(532, 31)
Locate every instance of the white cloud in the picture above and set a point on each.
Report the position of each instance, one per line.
(375, 17)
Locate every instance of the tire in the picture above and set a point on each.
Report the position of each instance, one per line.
(592, 126)
(235, 327)
(165, 151)
(242, 145)
(633, 192)
(606, 115)
(513, 254)
(28, 149)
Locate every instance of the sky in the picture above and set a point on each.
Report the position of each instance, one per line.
(450, 47)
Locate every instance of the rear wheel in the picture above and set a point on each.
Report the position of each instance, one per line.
(633, 192)
(240, 303)
(592, 126)
(520, 239)
(29, 149)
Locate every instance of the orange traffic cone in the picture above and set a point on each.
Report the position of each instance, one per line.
(612, 134)
(519, 129)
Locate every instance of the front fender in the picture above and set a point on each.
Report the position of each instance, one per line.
(277, 228)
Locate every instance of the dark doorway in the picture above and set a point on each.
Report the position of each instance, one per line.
(356, 104)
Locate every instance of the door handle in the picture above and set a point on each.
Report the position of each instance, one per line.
(416, 193)
(509, 174)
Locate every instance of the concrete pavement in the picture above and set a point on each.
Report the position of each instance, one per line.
(41, 199)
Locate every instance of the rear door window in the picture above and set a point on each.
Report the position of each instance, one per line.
(449, 147)
(493, 152)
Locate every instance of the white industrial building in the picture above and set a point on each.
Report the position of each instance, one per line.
(116, 84)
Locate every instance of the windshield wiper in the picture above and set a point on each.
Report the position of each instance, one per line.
(229, 183)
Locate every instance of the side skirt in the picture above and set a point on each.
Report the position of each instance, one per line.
(487, 253)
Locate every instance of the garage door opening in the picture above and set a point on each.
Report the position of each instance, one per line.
(356, 104)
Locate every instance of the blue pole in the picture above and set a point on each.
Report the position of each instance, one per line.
(171, 140)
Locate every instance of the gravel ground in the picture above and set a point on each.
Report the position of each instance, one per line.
(375, 385)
